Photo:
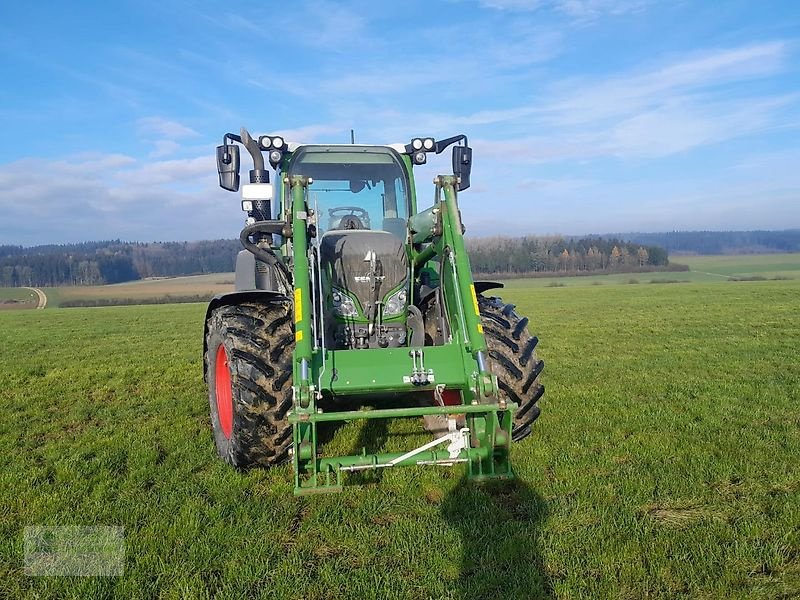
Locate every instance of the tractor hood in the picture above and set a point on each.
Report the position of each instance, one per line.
(366, 265)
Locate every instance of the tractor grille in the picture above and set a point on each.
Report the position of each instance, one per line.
(346, 255)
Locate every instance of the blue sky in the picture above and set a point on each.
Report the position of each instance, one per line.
(584, 115)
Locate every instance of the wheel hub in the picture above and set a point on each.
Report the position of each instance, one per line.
(224, 389)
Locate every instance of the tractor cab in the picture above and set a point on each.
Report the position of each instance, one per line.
(361, 202)
(355, 187)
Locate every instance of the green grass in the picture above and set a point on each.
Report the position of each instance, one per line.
(14, 293)
(22, 295)
(767, 265)
(190, 285)
(665, 463)
(703, 269)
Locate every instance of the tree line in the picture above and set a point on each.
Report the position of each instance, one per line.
(98, 263)
(556, 254)
(720, 242)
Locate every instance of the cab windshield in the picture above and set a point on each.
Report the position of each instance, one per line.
(355, 187)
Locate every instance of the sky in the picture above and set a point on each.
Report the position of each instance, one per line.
(585, 116)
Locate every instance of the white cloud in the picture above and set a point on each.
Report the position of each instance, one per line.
(657, 110)
(327, 25)
(442, 69)
(580, 10)
(177, 171)
(103, 197)
(649, 112)
(579, 101)
(164, 128)
(512, 4)
(586, 10)
(314, 133)
(164, 148)
(681, 125)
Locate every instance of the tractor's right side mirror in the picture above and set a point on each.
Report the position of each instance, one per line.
(228, 167)
(462, 165)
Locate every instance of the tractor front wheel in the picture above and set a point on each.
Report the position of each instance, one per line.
(249, 375)
(512, 353)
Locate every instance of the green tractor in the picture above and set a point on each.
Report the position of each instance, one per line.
(349, 304)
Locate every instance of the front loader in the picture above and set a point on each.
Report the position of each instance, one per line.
(350, 304)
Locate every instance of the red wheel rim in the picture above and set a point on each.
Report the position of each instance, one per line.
(222, 380)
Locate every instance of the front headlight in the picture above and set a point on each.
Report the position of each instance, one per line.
(343, 304)
(395, 305)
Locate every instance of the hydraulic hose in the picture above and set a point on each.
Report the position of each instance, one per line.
(265, 255)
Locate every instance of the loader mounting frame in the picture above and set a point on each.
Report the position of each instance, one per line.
(459, 364)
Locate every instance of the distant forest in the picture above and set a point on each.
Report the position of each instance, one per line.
(555, 254)
(718, 242)
(97, 263)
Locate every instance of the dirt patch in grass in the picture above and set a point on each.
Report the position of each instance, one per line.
(669, 281)
(682, 514)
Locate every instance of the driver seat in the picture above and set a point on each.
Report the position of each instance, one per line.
(349, 223)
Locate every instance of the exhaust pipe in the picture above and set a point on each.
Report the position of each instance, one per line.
(258, 174)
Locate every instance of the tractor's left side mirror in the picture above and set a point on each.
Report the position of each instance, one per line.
(462, 165)
(228, 167)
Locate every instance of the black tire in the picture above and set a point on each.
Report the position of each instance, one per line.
(512, 354)
(258, 341)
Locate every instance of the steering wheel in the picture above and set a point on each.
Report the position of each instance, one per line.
(348, 217)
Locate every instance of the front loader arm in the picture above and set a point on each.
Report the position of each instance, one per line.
(442, 226)
(302, 292)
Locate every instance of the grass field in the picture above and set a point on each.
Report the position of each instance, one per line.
(11, 298)
(665, 463)
(768, 265)
(702, 269)
(194, 285)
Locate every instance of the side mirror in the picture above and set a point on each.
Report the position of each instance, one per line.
(462, 165)
(228, 167)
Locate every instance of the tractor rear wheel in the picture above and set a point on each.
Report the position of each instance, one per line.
(249, 375)
(512, 353)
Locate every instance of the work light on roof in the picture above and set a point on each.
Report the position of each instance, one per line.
(271, 143)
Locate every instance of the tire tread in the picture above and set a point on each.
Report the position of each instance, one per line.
(512, 352)
(260, 340)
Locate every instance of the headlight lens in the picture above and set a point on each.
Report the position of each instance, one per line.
(396, 304)
(343, 304)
